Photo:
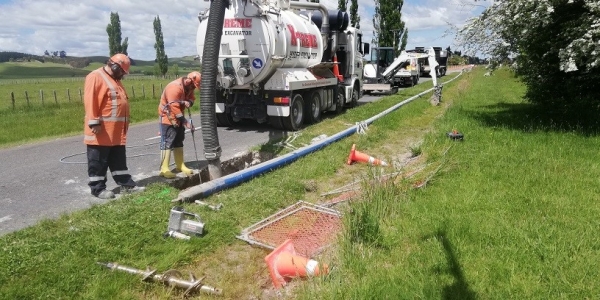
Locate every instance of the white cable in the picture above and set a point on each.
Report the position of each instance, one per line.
(361, 127)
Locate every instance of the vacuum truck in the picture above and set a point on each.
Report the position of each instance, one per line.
(284, 62)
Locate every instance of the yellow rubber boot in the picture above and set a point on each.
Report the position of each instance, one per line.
(164, 165)
(178, 154)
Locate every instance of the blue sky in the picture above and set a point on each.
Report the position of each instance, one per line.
(79, 27)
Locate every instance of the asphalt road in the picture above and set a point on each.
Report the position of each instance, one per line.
(46, 179)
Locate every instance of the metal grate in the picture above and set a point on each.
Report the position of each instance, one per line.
(310, 227)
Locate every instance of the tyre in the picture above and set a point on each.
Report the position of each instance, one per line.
(293, 122)
(339, 101)
(224, 120)
(313, 108)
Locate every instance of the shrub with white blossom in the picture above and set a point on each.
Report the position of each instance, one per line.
(555, 45)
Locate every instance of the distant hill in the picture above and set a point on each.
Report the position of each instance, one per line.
(82, 62)
(17, 65)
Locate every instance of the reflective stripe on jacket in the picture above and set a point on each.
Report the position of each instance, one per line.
(171, 106)
(106, 103)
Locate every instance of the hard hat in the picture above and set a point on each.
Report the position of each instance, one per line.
(195, 77)
(122, 60)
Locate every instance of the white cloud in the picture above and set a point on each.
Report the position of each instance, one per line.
(79, 27)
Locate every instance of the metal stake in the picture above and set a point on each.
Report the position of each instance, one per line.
(170, 277)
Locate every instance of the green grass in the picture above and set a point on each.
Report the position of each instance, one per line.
(508, 213)
(511, 214)
(20, 72)
(37, 69)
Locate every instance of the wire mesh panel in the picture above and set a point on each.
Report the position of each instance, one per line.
(310, 227)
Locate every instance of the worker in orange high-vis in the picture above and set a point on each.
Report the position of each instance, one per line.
(105, 129)
(176, 97)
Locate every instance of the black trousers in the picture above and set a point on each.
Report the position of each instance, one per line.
(172, 137)
(102, 158)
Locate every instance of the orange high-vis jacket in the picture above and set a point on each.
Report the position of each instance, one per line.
(171, 107)
(106, 104)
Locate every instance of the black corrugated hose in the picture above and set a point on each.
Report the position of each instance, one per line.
(210, 57)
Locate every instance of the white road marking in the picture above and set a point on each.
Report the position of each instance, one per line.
(4, 219)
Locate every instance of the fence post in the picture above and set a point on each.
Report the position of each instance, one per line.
(42, 96)
(55, 99)
(143, 92)
(27, 97)
(133, 91)
(80, 96)
(12, 97)
(68, 95)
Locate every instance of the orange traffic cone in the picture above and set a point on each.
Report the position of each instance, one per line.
(336, 69)
(285, 264)
(361, 157)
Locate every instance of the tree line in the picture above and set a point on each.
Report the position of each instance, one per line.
(551, 45)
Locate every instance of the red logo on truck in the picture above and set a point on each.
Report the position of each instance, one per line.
(237, 23)
(307, 40)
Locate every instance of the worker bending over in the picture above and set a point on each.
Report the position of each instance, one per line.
(176, 97)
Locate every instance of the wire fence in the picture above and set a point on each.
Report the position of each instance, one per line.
(132, 77)
(40, 93)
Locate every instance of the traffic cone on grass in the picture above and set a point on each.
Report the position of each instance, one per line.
(355, 155)
(284, 264)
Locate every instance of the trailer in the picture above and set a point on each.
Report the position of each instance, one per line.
(386, 74)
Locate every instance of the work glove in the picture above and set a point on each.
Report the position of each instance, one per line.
(187, 104)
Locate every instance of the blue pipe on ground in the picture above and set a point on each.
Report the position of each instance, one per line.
(206, 189)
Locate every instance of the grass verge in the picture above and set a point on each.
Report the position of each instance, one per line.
(503, 214)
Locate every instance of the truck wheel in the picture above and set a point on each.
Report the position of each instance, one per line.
(224, 120)
(354, 98)
(313, 108)
(339, 101)
(442, 72)
(293, 122)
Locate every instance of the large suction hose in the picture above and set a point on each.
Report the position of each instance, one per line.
(210, 59)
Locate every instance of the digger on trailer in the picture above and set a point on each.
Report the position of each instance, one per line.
(386, 74)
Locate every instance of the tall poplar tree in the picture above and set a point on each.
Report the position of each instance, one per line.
(161, 57)
(343, 5)
(354, 17)
(113, 29)
(389, 27)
